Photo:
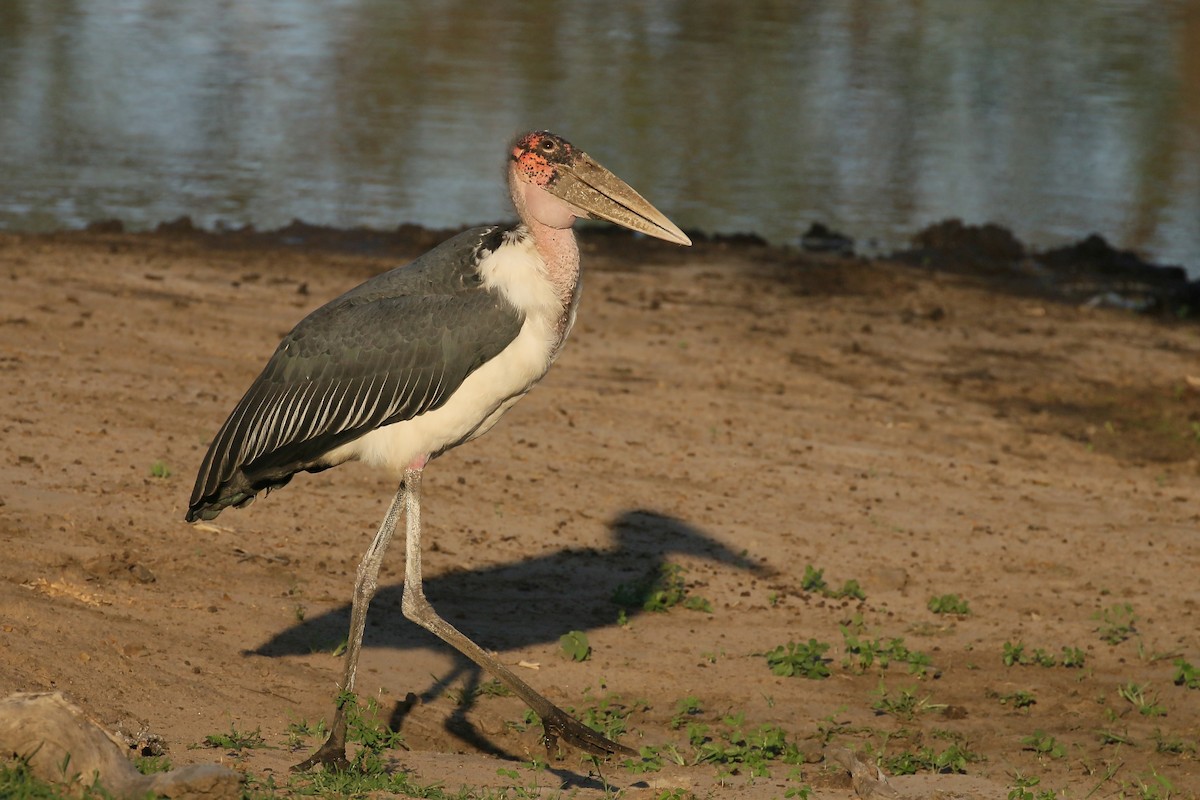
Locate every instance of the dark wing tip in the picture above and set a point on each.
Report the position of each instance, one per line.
(207, 508)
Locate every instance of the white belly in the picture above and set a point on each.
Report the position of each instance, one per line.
(472, 409)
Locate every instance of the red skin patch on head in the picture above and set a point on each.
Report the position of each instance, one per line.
(535, 169)
(538, 155)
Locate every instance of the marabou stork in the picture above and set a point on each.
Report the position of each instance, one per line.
(421, 359)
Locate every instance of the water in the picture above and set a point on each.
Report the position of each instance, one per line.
(876, 118)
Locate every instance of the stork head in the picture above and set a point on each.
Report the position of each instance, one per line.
(554, 182)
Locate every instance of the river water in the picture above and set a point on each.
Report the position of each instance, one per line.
(875, 117)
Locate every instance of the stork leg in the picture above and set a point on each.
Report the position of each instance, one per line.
(333, 752)
(555, 722)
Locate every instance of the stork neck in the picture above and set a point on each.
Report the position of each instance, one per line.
(548, 220)
(560, 253)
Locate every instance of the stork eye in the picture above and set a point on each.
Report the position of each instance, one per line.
(548, 145)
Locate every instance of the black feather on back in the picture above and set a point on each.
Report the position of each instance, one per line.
(388, 350)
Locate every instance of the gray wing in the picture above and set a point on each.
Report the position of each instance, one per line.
(389, 350)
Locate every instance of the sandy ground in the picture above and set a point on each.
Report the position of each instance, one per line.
(739, 412)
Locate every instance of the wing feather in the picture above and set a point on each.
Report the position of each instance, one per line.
(391, 349)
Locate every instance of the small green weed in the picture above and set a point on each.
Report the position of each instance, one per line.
(953, 759)
(850, 590)
(801, 659)
(1186, 674)
(159, 469)
(904, 703)
(1108, 737)
(148, 765)
(828, 727)
(348, 783)
(734, 748)
(1017, 699)
(493, 688)
(574, 645)
(300, 733)
(814, 582)
(1136, 695)
(660, 590)
(607, 714)
(1117, 623)
(677, 793)
(1152, 787)
(1172, 744)
(1042, 658)
(949, 604)
(235, 740)
(364, 727)
(1044, 745)
(1014, 654)
(685, 708)
(1023, 786)
(1072, 657)
(862, 653)
(18, 781)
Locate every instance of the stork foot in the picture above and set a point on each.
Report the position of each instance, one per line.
(330, 756)
(558, 725)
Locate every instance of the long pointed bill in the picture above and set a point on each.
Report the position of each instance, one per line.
(591, 188)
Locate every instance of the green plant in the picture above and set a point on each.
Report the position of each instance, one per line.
(364, 727)
(649, 759)
(953, 759)
(1044, 744)
(159, 469)
(1186, 674)
(493, 688)
(659, 590)
(1023, 788)
(734, 748)
(677, 793)
(1072, 657)
(235, 740)
(1017, 699)
(685, 708)
(1172, 744)
(1014, 654)
(1042, 658)
(802, 659)
(1112, 737)
(829, 727)
(375, 781)
(299, 733)
(903, 704)
(813, 580)
(18, 781)
(1117, 623)
(607, 714)
(850, 590)
(1153, 787)
(1136, 694)
(574, 645)
(148, 765)
(862, 653)
(948, 604)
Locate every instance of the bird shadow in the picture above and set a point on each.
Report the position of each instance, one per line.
(516, 605)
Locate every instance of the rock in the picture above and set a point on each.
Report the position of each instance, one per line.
(47, 731)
